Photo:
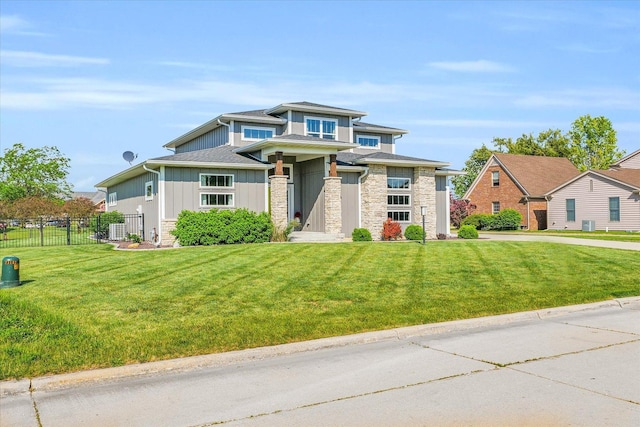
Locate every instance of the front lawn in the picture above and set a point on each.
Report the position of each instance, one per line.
(618, 236)
(90, 306)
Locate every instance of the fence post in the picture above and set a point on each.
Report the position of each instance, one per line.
(68, 231)
(98, 229)
(142, 231)
(41, 232)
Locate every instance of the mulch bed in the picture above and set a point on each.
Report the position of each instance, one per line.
(137, 246)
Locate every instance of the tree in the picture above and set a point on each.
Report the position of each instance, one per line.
(34, 207)
(34, 172)
(551, 143)
(78, 207)
(459, 209)
(593, 143)
(472, 167)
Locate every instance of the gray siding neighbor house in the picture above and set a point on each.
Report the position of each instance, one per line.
(314, 162)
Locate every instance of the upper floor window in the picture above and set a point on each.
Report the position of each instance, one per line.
(215, 200)
(399, 183)
(255, 133)
(495, 207)
(210, 180)
(113, 199)
(368, 141)
(571, 210)
(398, 199)
(495, 178)
(148, 190)
(321, 128)
(614, 209)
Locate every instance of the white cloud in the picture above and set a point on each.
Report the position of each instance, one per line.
(36, 59)
(13, 24)
(474, 123)
(480, 66)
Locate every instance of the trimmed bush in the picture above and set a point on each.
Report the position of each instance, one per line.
(361, 235)
(468, 232)
(413, 232)
(476, 220)
(507, 219)
(222, 227)
(391, 230)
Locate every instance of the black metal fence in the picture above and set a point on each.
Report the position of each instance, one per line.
(52, 231)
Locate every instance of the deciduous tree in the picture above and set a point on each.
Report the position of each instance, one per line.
(593, 143)
(472, 167)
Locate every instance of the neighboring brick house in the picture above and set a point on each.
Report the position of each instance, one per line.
(316, 163)
(512, 181)
(97, 197)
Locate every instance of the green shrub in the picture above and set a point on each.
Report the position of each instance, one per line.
(361, 235)
(100, 224)
(468, 232)
(507, 219)
(222, 227)
(476, 220)
(413, 232)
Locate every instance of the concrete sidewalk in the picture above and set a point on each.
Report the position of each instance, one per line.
(531, 237)
(569, 366)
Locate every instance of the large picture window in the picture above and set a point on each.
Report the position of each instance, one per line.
(255, 133)
(216, 200)
(368, 141)
(571, 210)
(211, 180)
(399, 183)
(614, 209)
(321, 128)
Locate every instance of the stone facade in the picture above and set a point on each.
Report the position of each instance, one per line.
(424, 194)
(168, 225)
(333, 204)
(373, 195)
(279, 200)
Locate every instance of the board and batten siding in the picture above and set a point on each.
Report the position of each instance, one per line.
(214, 138)
(182, 189)
(594, 205)
(312, 173)
(131, 196)
(442, 203)
(386, 142)
(350, 201)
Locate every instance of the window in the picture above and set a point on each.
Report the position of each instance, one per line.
(399, 183)
(402, 200)
(571, 210)
(614, 209)
(113, 199)
(495, 207)
(253, 133)
(209, 180)
(368, 141)
(400, 216)
(148, 190)
(495, 178)
(321, 128)
(215, 200)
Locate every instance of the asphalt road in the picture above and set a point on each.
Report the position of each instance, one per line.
(569, 366)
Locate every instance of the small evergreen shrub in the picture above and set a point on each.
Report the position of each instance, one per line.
(361, 235)
(222, 227)
(507, 219)
(476, 220)
(391, 230)
(468, 232)
(413, 232)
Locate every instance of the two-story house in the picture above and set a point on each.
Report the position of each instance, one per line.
(317, 163)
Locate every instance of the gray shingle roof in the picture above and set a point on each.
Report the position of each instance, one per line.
(221, 154)
(253, 113)
(313, 104)
(352, 158)
(371, 125)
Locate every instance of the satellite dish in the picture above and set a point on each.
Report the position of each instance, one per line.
(129, 156)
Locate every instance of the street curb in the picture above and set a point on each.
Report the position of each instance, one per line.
(242, 356)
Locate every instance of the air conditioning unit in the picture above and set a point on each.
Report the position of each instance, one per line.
(117, 231)
(588, 225)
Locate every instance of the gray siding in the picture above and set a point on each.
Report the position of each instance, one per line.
(131, 195)
(594, 205)
(442, 200)
(350, 202)
(182, 189)
(386, 143)
(312, 197)
(211, 139)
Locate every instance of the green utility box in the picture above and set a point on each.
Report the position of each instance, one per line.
(10, 272)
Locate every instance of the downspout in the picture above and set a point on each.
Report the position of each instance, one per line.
(393, 146)
(160, 202)
(360, 178)
(220, 122)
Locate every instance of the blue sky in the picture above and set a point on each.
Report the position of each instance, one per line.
(97, 78)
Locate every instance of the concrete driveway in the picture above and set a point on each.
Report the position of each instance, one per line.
(535, 237)
(569, 366)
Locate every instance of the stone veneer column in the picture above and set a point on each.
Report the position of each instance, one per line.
(333, 204)
(168, 225)
(373, 200)
(279, 214)
(424, 194)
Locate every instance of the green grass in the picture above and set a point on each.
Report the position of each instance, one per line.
(48, 236)
(90, 306)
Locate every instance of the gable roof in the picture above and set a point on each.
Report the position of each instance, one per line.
(534, 175)
(314, 108)
(627, 177)
(626, 158)
(95, 196)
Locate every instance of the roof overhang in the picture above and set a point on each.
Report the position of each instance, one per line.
(402, 163)
(133, 171)
(372, 129)
(315, 109)
(192, 164)
(269, 146)
(449, 172)
(347, 168)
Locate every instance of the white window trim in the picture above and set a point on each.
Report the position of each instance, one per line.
(493, 180)
(243, 127)
(233, 180)
(493, 208)
(398, 189)
(322, 119)
(233, 200)
(366, 147)
(146, 186)
(399, 194)
(113, 199)
(400, 210)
